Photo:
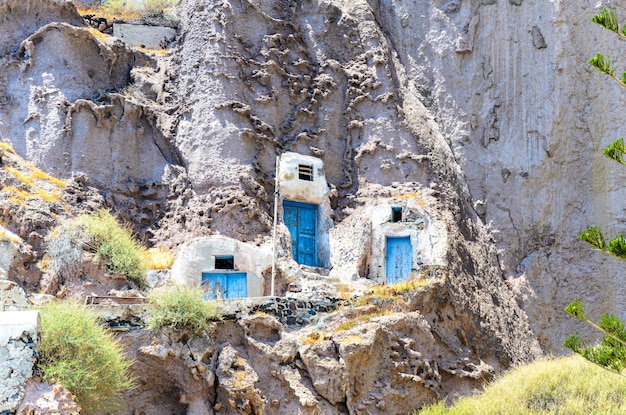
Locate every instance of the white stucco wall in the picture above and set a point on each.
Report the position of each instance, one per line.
(292, 188)
(198, 256)
(314, 192)
(428, 237)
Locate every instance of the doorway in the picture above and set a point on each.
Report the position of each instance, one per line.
(222, 285)
(301, 220)
(398, 259)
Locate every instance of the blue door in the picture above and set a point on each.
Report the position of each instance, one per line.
(220, 285)
(399, 259)
(301, 220)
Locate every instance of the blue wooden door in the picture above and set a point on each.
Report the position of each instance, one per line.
(224, 285)
(399, 259)
(301, 220)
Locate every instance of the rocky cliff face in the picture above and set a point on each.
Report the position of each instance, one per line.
(483, 108)
(525, 118)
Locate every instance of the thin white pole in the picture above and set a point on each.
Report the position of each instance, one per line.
(276, 179)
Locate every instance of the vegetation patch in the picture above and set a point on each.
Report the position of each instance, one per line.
(158, 258)
(312, 338)
(116, 244)
(7, 235)
(568, 385)
(392, 297)
(104, 235)
(129, 9)
(181, 308)
(82, 356)
(35, 183)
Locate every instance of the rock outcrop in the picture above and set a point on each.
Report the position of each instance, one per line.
(19, 335)
(479, 112)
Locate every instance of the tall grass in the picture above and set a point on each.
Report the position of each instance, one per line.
(115, 243)
(181, 308)
(82, 356)
(568, 385)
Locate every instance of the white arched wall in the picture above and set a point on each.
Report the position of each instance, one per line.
(198, 256)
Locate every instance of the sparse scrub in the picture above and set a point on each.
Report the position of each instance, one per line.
(64, 246)
(568, 385)
(127, 9)
(347, 325)
(82, 356)
(105, 236)
(158, 7)
(181, 308)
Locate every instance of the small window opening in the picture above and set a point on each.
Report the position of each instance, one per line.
(396, 214)
(305, 172)
(224, 262)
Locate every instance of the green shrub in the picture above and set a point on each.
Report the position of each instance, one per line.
(568, 385)
(82, 356)
(102, 233)
(181, 308)
(115, 244)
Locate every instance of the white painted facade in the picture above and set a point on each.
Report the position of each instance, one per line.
(315, 192)
(198, 256)
(428, 238)
(298, 190)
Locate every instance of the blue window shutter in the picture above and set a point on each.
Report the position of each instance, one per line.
(224, 285)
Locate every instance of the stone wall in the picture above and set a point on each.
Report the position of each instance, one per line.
(290, 311)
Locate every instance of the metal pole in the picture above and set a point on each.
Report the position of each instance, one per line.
(275, 224)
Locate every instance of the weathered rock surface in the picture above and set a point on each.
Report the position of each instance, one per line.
(384, 364)
(19, 334)
(12, 297)
(526, 122)
(45, 399)
(483, 111)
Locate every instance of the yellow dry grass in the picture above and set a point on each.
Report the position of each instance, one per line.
(567, 385)
(98, 34)
(6, 235)
(153, 51)
(354, 338)
(158, 258)
(399, 288)
(33, 175)
(312, 338)
(41, 184)
(110, 13)
(6, 147)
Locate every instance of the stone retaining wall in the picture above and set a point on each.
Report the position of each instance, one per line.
(290, 311)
